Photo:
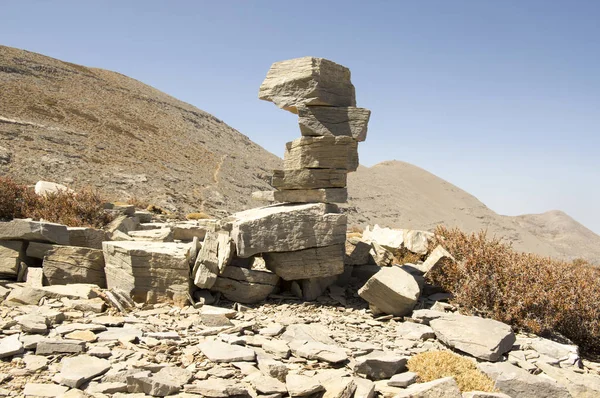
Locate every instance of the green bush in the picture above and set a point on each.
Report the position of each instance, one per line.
(533, 293)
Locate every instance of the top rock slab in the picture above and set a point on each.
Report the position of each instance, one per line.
(307, 81)
(37, 231)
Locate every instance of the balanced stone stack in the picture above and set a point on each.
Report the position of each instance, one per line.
(302, 239)
(320, 92)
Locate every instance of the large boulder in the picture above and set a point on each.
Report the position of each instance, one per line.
(334, 121)
(322, 195)
(482, 338)
(519, 383)
(307, 81)
(308, 263)
(321, 153)
(309, 178)
(285, 228)
(86, 237)
(44, 188)
(392, 290)
(64, 265)
(149, 271)
(11, 255)
(245, 285)
(216, 253)
(37, 231)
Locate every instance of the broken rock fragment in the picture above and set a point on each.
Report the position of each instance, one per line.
(308, 263)
(245, 285)
(334, 121)
(69, 264)
(392, 290)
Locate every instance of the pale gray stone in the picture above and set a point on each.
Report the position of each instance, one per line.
(392, 290)
(123, 224)
(440, 388)
(318, 351)
(379, 365)
(35, 363)
(70, 264)
(417, 241)
(403, 379)
(149, 271)
(334, 121)
(11, 255)
(166, 381)
(52, 347)
(86, 237)
(518, 383)
(216, 253)
(106, 388)
(76, 326)
(307, 81)
(414, 331)
(309, 179)
(217, 388)
(153, 235)
(77, 370)
(217, 351)
(434, 260)
(302, 386)
(426, 316)
(38, 249)
(122, 334)
(10, 346)
(554, 349)
(392, 239)
(380, 255)
(482, 338)
(357, 252)
(321, 153)
(34, 277)
(308, 263)
(579, 385)
(268, 385)
(313, 288)
(277, 347)
(38, 231)
(285, 228)
(186, 231)
(322, 195)
(245, 285)
(32, 323)
(308, 332)
(44, 390)
(483, 394)
(364, 388)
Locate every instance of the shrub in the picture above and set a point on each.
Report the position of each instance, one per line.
(138, 203)
(75, 209)
(197, 216)
(533, 293)
(433, 365)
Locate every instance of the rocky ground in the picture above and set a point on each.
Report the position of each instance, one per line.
(74, 343)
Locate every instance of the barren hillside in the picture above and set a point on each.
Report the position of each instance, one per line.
(91, 127)
(399, 194)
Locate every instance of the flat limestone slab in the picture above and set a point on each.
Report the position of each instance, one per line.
(392, 290)
(11, 255)
(327, 152)
(307, 81)
(288, 227)
(245, 285)
(86, 237)
(308, 263)
(334, 121)
(309, 179)
(323, 195)
(483, 338)
(64, 265)
(217, 351)
(37, 231)
(149, 271)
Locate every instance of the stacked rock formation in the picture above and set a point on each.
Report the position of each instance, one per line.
(321, 93)
(301, 240)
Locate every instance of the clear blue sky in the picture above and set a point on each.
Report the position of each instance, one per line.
(501, 98)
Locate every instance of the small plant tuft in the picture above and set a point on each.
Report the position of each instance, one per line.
(433, 365)
(197, 216)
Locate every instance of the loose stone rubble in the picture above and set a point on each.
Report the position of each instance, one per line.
(271, 302)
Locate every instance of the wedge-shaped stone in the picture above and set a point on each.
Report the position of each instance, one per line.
(245, 285)
(519, 383)
(318, 351)
(308, 263)
(149, 271)
(11, 255)
(37, 231)
(216, 253)
(307, 81)
(217, 351)
(86, 237)
(485, 339)
(380, 365)
(285, 228)
(440, 388)
(309, 179)
(64, 265)
(78, 370)
(392, 290)
(357, 252)
(321, 153)
(434, 260)
(323, 195)
(334, 121)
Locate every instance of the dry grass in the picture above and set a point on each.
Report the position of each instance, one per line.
(404, 256)
(433, 365)
(75, 209)
(533, 293)
(138, 202)
(197, 216)
(353, 235)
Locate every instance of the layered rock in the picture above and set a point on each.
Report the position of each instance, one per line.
(37, 231)
(392, 290)
(309, 178)
(321, 153)
(308, 263)
(148, 271)
(11, 255)
(334, 121)
(245, 285)
(69, 264)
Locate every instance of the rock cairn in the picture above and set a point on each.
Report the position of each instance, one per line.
(302, 240)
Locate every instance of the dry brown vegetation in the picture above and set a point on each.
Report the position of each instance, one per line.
(197, 216)
(433, 365)
(75, 209)
(533, 293)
